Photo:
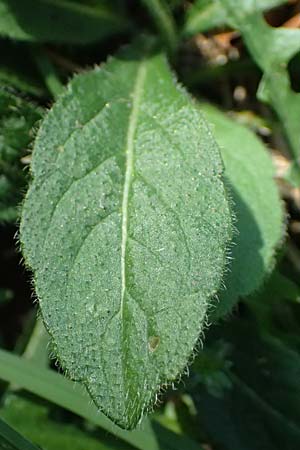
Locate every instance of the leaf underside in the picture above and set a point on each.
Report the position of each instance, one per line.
(125, 227)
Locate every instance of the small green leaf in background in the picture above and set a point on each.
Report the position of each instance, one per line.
(256, 204)
(63, 21)
(272, 49)
(203, 15)
(126, 227)
(17, 119)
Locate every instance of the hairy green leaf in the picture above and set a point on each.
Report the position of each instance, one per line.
(206, 14)
(257, 206)
(66, 21)
(17, 118)
(125, 226)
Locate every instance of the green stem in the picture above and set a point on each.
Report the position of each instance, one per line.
(164, 21)
(271, 49)
(48, 72)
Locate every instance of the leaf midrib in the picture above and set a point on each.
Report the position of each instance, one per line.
(129, 151)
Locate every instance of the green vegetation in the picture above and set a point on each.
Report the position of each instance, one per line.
(148, 240)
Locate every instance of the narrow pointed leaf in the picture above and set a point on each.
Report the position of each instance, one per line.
(125, 226)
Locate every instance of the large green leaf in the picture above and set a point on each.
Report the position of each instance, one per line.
(256, 204)
(66, 21)
(17, 118)
(161, 13)
(125, 226)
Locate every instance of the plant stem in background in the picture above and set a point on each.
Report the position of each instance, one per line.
(164, 21)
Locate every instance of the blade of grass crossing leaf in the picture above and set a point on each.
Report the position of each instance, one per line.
(71, 396)
(11, 440)
(36, 349)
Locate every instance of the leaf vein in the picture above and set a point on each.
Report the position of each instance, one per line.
(173, 212)
(75, 180)
(136, 94)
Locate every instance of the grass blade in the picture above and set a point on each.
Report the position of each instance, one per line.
(71, 396)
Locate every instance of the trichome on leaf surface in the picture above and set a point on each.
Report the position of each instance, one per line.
(139, 166)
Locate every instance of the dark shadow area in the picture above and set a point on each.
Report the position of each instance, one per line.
(294, 72)
(14, 279)
(281, 14)
(14, 72)
(217, 82)
(169, 439)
